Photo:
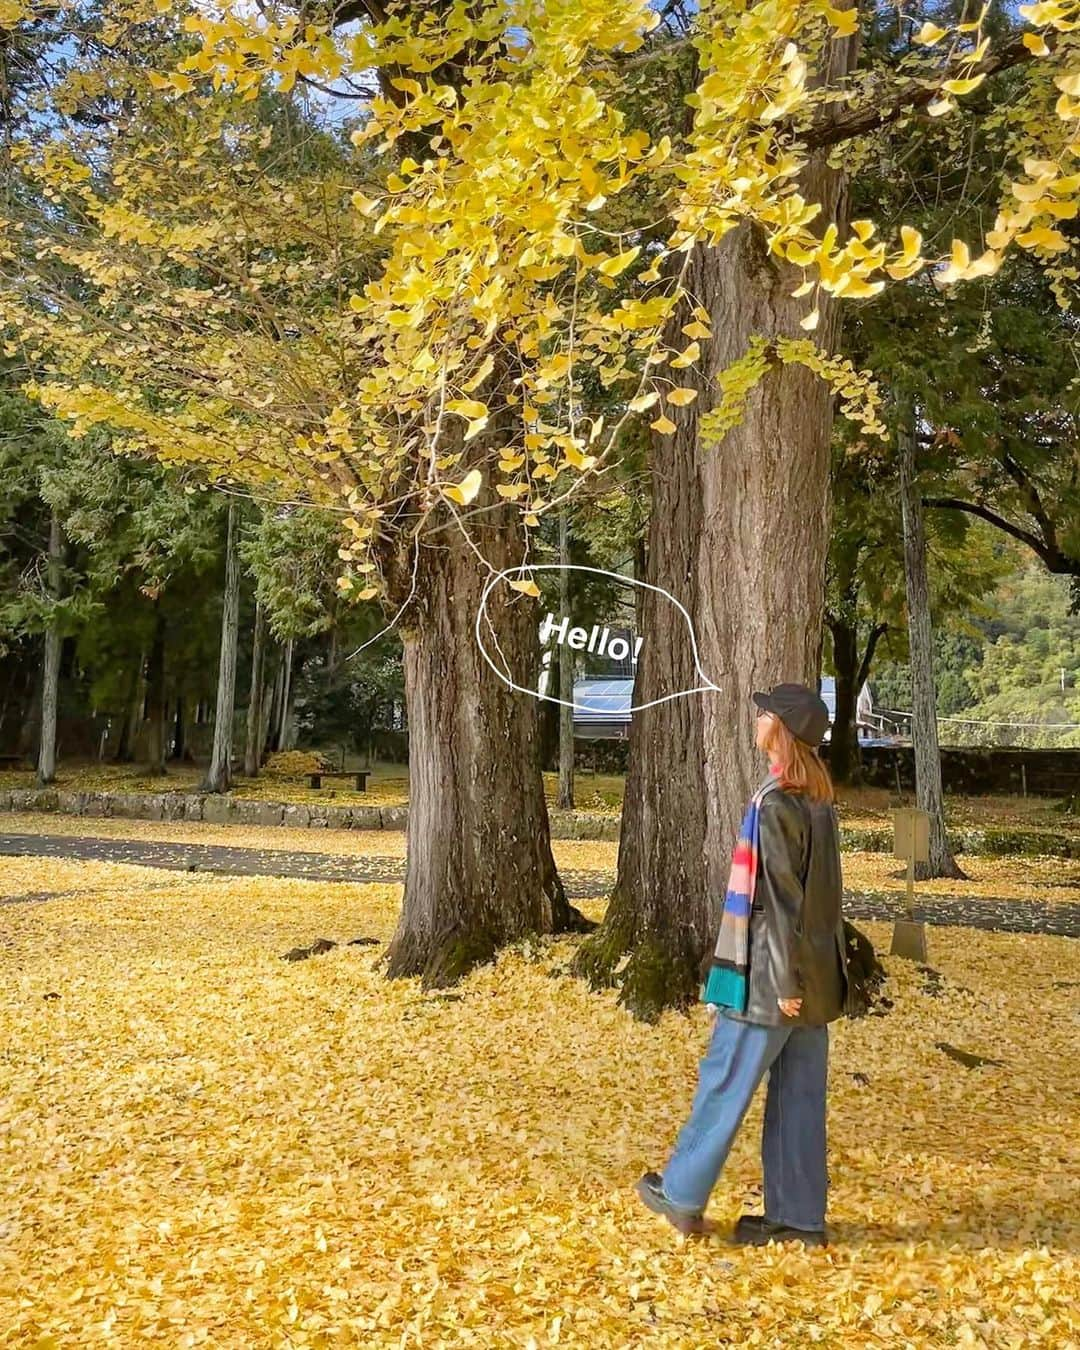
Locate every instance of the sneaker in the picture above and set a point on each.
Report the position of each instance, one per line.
(755, 1230)
(650, 1190)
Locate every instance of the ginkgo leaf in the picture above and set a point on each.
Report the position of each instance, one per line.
(811, 320)
(577, 459)
(940, 106)
(482, 372)
(964, 86)
(688, 357)
(467, 407)
(526, 587)
(664, 425)
(844, 22)
(928, 34)
(681, 396)
(464, 492)
(643, 401)
(1043, 238)
(611, 267)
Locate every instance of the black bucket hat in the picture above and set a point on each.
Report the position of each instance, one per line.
(803, 712)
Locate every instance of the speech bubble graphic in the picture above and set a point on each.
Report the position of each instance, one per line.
(504, 674)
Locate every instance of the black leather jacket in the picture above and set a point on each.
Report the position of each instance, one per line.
(796, 923)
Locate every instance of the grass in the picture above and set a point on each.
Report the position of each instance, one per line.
(206, 1145)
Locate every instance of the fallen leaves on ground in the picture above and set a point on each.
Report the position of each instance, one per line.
(201, 1143)
(578, 854)
(869, 807)
(1018, 878)
(594, 794)
(388, 785)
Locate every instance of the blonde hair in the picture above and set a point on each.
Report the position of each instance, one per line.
(801, 768)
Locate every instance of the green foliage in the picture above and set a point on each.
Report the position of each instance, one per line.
(1009, 667)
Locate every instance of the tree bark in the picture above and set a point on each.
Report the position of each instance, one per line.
(180, 728)
(125, 746)
(738, 534)
(50, 674)
(286, 697)
(219, 775)
(30, 725)
(479, 869)
(924, 737)
(253, 747)
(273, 713)
(845, 763)
(266, 714)
(155, 697)
(566, 677)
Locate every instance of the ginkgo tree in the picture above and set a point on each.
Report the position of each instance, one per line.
(399, 332)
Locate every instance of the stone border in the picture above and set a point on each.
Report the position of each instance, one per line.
(221, 809)
(991, 841)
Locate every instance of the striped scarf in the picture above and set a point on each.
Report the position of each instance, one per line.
(727, 983)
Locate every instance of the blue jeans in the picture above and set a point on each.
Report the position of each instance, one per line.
(793, 1137)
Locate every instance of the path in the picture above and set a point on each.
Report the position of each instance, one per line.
(996, 914)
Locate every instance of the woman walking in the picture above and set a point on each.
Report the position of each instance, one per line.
(779, 975)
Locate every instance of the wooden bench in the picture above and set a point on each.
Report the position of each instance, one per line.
(13, 761)
(361, 776)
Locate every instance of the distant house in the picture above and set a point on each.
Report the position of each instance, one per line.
(602, 707)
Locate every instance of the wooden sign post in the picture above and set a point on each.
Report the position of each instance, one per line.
(911, 841)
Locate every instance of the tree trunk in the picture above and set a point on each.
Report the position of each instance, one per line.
(273, 709)
(180, 729)
(219, 775)
(845, 763)
(738, 534)
(50, 675)
(479, 869)
(155, 696)
(928, 793)
(125, 746)
(286, 696)
(566, 677)
(641, 572)
(253, 747)
(288, 722)
(266, 713)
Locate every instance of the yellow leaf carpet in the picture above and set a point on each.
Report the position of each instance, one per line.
(204, 1144)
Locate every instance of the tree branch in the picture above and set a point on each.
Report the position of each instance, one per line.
(1055, 560)
(1034, 501)
(878, 631)
(890, 108)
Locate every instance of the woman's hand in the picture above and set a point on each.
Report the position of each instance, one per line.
(790, 1006)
